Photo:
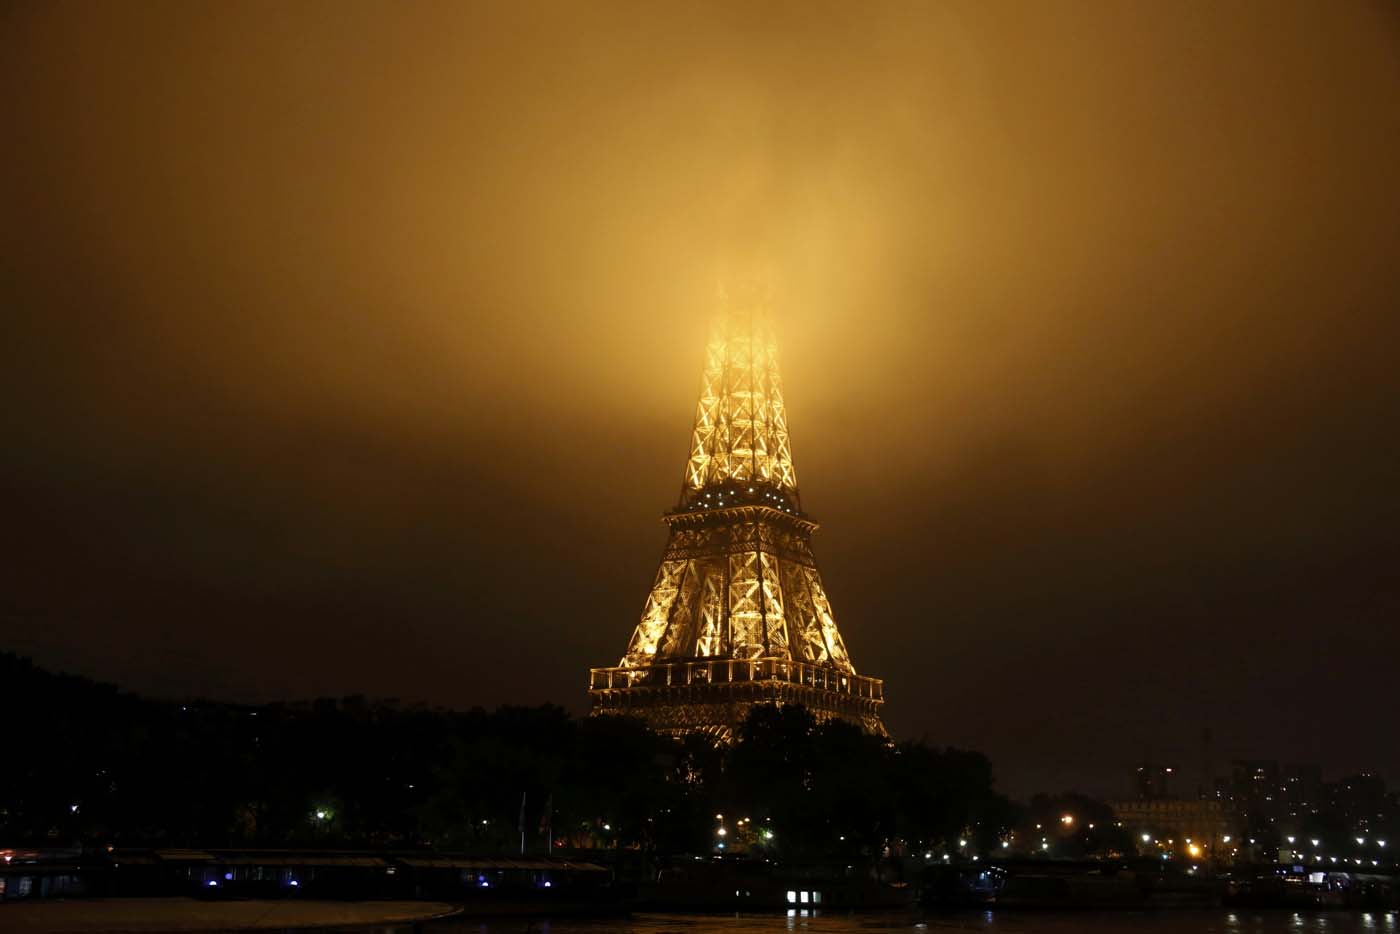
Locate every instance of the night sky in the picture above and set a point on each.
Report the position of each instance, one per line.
(353, 348)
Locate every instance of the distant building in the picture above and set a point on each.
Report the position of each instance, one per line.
(1273, 794)
(1173, 821)
(1151, 780)
(1264, 809)
(1363, 803)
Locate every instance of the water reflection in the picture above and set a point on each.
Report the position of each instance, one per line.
(815, 921)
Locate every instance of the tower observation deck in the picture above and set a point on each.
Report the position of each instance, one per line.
(738, 614)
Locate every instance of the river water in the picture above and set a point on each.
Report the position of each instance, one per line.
(1164, 922)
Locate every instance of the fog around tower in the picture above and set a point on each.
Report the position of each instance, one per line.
(354, 349)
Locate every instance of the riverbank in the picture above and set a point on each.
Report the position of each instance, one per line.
(194, 916)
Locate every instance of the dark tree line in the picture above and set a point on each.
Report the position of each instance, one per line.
(84, 763)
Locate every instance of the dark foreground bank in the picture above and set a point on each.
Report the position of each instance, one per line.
(191, 916)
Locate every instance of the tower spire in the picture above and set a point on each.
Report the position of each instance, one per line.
(741, 433)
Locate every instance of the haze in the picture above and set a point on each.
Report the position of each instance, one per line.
(352, 348)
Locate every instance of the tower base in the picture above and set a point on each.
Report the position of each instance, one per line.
(713, 697)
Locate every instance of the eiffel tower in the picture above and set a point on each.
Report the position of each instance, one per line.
(738, 615)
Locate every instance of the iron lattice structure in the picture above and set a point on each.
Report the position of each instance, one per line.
(738, 614)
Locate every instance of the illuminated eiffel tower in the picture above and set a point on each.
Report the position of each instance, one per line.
(738, 615)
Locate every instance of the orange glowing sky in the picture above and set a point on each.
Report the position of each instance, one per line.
(352, 348)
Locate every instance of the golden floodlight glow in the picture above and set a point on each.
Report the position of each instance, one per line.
(741, 433)
(743, 588)
(738, 613)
